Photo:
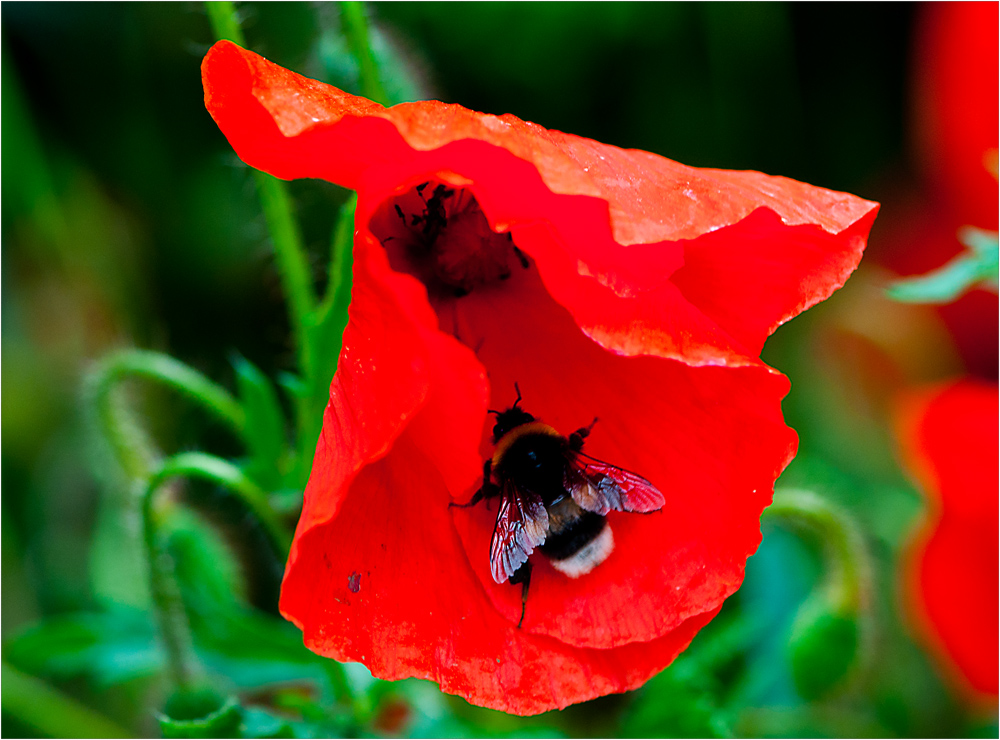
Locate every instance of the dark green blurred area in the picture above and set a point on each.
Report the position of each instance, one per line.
(128, 221)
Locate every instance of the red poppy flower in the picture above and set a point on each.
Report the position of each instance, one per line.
(605, 282)
(950, 440)
(956, 111)
(954, 127)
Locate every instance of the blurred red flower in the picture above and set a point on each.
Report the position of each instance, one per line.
(639, 290)
(956, 89)
(950, 441)
(954, 127)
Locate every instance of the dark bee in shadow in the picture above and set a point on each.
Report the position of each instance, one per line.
(553, 497)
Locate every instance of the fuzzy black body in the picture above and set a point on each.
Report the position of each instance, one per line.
(536, 460)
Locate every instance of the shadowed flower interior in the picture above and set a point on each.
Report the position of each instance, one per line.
(439, 234)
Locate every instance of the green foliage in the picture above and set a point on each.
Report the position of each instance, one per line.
(45, 710)
(823, 648)
(674, 705)
(204, 564)
(266, 436)
(107, 648)
(203, 712)
(200, 712)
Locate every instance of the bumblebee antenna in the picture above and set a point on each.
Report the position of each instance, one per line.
(491, 411)
(518, 394)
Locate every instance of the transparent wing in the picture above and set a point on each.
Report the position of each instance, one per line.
(522, 524)
(602, 487)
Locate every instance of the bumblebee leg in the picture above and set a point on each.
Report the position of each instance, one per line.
(577, 437)
(523, 576)
(487, 490)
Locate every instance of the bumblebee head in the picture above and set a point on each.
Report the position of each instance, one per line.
(512, 417)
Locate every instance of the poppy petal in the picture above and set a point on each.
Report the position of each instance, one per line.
(395, 363)
(712, 439)
(628, 220)
(647, 291)
(386, 583)
(950, 440)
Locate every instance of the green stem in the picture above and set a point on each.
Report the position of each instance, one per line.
(127, 440)
(293, 267)
(175, 632)
(846, 567)
(326, 329)
(225, 21)
(230, 477)
(359, 41)
(50, 712)
(338, 285)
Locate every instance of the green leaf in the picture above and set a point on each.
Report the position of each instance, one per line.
(822, 648)
(673, 705)
(265, 424)
(53, 714)
(249, 647)
(107, 648)
(201, 712)
(324, 332)
(975, 268)
(203, 563)
(979, 241)
(327, 324)
(253, 649)
(260, 723)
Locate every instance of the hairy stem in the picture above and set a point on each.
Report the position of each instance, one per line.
(293, 265)
(359, 41)
(175, 632)
(846, 567)
(128, 441)
(225, 21)
(225, 474)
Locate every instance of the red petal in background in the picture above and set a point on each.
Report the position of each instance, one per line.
(956, 93)
(950, 439)
(914, 236)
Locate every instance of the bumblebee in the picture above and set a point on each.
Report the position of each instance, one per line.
(553, 497)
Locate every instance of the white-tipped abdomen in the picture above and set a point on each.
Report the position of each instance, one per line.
(589, 556)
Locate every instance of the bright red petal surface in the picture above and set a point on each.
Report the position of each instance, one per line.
(394, 364)
(712, 439)
(951, 439)
(574, 204)
(420, 610)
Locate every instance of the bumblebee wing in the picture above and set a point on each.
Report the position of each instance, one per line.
(602, 487)
(522, 523)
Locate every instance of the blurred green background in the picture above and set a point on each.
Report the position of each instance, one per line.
(128, 221)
